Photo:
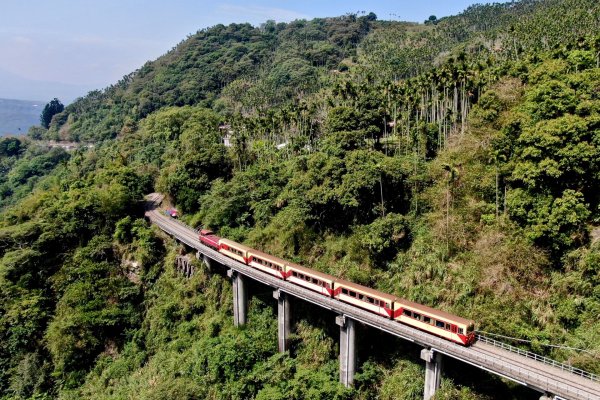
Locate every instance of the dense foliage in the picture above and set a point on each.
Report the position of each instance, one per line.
(50, 110)
(453, 163)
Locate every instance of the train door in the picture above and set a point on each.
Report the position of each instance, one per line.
(453, 328)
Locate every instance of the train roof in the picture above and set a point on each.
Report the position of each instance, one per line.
(212, 238)
(311, 271)
(366, 290)
(267, 257)
(434, 312)
(237, 245)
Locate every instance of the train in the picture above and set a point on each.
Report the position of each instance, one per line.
(442, 324)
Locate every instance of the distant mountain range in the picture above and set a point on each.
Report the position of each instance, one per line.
(16, 116)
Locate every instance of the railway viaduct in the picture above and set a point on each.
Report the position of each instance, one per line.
(552, 379)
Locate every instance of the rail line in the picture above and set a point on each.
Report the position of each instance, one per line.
(542, 375)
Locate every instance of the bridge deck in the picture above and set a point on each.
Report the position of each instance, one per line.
(539, 376)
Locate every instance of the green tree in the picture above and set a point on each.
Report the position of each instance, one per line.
(50, 110)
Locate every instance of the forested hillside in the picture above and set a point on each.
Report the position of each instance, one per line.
(453, 163)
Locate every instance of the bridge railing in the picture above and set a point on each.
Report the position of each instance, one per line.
(152, 203)
(537, 357)
(187, 226)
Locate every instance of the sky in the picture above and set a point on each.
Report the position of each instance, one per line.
(64, 48)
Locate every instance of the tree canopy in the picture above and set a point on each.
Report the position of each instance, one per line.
(50, 110)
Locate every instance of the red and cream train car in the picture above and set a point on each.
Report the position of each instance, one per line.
(267, 263)
(437, 322)
(234, 250)
(364, 297)
(310, 279)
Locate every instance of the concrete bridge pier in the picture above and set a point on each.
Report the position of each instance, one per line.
(240, 297)
(284, 319)
(347, 349)
(433, 372)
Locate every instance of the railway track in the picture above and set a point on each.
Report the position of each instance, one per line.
(540, 376)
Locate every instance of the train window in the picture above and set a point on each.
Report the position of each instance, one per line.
(417, 316)
(470, 328)
(315, 281)
(461, 331)
(426, 319)
(344, 291)
(407, 313)
(447, 327)
(307, 278)
(370, 300)
(294, 273)
(388, 305)
(439, 324)
(351, 293)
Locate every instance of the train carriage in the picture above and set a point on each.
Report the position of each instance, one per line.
(208, 238)
(310, 279)
(234, 250)
(267, 263)
(437, 322)
(364, 297)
